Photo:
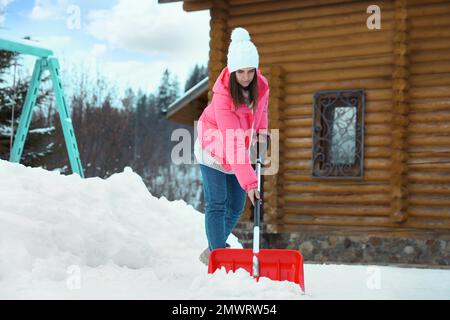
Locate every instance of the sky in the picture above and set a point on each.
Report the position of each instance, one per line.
(130, 42)
(64, 237)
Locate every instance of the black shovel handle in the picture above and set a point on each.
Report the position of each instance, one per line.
(258, 202)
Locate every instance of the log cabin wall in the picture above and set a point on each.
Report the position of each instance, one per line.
(218, 46)
(326, 45)
(311, 45)
(428, 141)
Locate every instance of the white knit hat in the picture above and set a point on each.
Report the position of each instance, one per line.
(242, 53)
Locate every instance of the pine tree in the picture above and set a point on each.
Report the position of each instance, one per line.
(140, 131)
(168, 91)
(198, 74)
(38, 146)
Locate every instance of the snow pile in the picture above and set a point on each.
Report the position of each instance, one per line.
(53, 227)
(63, 237)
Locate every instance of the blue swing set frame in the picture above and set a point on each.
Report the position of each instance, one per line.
(45, 61)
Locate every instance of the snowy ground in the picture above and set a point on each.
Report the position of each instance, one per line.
(63, 237)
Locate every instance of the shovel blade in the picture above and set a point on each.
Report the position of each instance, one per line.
(275, 264)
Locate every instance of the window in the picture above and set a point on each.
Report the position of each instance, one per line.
(338, 134)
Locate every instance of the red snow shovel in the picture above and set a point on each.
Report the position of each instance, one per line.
(275, 264)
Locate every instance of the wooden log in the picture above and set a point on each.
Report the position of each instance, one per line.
(429, 155)
(375, 199)
(377, 118)
(429, 212)
(218, 34)
(430, 56)
(422, 128)
(219, 24)
(434, 21)
(337, 52)
(429, 80)
(430, 223)
(217, 55)
(276, 76)
(429, 33)
(377, 140)
(221, 36)
(431, 67)
(214, 71)
(295, 110)
(215, 66)
(240, 8)
(377, 152)
(429, 44)
(377, 163)
(245, 2)
(304, 173)
(414, 139)
(266, 43)
(327, 33)
(355, 188)
(303, 154)
(190, 6)
(428, 201)
(348, 62)
(219, 45)
(414, 222)
(372, 94)
(369, 176)
(297, 142)
(415, 3)
(336, 221)
(357, 19)
(297, 132)
(438, 166)
(429, 104)
(423, 150)
(337, 210)
(381, 71)
(427, 177)
(373, 140)
(307, 87)
(418, 188)
(380, 129)
(299, 122)
(430, 162)
(429, 10)
(302, 9)
(371, 231)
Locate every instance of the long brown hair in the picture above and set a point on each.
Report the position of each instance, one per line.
(236, 90)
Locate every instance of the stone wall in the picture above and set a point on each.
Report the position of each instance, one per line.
(317, 247)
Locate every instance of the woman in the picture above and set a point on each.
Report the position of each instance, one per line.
(225, 129)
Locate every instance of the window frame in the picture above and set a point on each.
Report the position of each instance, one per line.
(321, 166)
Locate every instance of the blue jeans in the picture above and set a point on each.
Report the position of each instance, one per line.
(224, 204)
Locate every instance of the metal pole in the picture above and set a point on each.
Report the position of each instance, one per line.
(27, 112)
(256, 215)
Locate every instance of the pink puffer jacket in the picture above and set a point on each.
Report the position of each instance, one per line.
(226, 133)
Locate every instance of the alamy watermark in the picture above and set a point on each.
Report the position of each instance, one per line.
(374, 278)
(73, 21)
(227, 147)
(374, 20)
(73, 281)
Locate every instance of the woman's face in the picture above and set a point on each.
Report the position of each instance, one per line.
(244, 76)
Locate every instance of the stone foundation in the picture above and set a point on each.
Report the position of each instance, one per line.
(362, 248)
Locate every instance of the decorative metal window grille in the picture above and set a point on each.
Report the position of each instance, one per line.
(338, 134)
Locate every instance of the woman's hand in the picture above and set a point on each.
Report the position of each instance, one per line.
(253, 194)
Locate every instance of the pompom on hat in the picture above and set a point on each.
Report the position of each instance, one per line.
(242, 53)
